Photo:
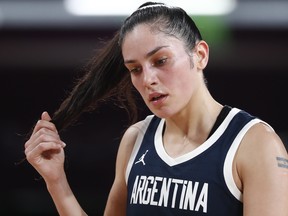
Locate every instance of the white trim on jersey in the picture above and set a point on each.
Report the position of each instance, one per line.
(137, 145)
(227, 168)
(228, 163)
(203, 147)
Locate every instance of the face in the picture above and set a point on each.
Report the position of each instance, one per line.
(162, 71)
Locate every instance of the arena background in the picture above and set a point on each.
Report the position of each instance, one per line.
(43, 49)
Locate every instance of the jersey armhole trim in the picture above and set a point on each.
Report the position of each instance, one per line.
(227, 168)
(137, 145)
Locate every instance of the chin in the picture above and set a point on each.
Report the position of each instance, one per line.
(162, 113)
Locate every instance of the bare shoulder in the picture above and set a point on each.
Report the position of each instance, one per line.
(130, 135)
(262, 168)
(127, 144)
(262, 140)
(116, 203)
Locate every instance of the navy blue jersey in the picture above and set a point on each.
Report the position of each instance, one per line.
(197, 183)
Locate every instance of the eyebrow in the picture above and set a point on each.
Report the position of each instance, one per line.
(152, 52)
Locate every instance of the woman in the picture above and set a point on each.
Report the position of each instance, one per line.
(193, 156)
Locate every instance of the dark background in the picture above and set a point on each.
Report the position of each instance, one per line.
(43, 49)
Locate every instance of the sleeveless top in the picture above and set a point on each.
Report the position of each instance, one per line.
(199, 182)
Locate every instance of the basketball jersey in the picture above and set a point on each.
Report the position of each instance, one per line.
(199, 182)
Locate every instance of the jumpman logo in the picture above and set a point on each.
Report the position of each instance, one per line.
(141, 159)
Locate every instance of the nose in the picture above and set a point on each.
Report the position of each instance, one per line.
(149, 76)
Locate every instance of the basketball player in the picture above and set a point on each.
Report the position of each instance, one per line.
(193, 156)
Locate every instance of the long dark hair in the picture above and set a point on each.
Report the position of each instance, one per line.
(106, 76)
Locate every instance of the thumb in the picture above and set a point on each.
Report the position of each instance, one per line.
(45, 116)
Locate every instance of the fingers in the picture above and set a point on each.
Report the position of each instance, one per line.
(42, 150)
(45, 126)
(45, 116)
(44, 122)
(44, 137)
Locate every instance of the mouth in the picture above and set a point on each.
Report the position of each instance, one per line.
(156, 97)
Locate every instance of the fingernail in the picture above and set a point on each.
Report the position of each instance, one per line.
(63, 144)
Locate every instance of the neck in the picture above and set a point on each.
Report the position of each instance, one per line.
(195, 125)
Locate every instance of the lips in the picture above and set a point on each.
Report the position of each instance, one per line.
(156, 97)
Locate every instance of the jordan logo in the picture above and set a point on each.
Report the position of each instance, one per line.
(141, 159)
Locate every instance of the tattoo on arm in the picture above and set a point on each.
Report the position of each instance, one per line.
(282, 162)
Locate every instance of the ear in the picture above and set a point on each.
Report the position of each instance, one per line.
(202, 54)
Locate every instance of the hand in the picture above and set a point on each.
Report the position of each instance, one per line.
(44, 149)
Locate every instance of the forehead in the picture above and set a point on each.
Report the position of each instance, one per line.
(142, 32)
(144, 38)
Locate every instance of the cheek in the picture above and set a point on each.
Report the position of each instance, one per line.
(183, 83)
(136, 83)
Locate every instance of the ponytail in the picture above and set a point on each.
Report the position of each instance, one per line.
(106, 77)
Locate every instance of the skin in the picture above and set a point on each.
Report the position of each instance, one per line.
(170, 81)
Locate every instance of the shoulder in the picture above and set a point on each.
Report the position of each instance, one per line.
(258, 155)
(261, 139)
(134, 130)
(117, 197)
(129, 139)
(261, 164)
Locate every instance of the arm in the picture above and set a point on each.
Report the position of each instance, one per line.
(44, 151)
(116, 203)
(262, 168)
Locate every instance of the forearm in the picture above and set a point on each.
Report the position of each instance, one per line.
(64, 199)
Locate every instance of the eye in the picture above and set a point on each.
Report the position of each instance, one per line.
(161, 61)
(134, 69)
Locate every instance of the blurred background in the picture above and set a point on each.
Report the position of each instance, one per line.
(44, 45)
